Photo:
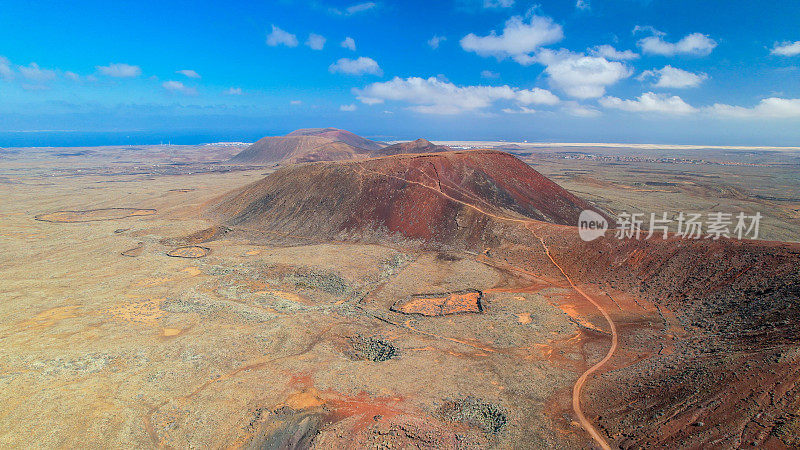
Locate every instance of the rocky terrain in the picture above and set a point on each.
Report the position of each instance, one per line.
(432, 300)
(692, 368)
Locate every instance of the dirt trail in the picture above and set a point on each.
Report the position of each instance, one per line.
(579, 384)
(578, 387)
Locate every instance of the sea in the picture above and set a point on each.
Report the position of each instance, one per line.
(58, 138)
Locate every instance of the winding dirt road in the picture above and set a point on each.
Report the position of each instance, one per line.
(579, 384)
(578, 387)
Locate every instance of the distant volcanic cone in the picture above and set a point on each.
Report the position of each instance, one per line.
(339, 135)
(450, 197)
(418, 146)
(307, 145)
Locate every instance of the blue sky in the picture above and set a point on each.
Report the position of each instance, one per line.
(677, 71)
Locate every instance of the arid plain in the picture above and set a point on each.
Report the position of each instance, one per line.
(133, 316)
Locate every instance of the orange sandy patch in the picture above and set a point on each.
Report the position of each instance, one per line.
(48, 318)
(524, 318)
(440, 305)
(309, 398)
(192, 271)
(153, 281)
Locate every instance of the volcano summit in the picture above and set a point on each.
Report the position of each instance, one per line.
(444, 197)
(307, 145)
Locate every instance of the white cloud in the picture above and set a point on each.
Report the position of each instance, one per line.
(671, 77)
(576, 109)
(581, 76)
(498, 3)
(369, 100)
(696, 44)
(350, 107)
(786, 49)
(71, 76)
(435, 41)
(349, 43)
(489, 74)
(296, 102)
(177, 86)
(648, 29)
(188, 73)
(437, 96)
(608, 52)
(35, 73)
(582, 5)
(518, 39)
(360, 66)
(650, 102)
(120, 70)
(315, 41)
(520, 110)
(354, 9)
(360, 7)
(536, 96)
(5, 68)
(279, 37)
(773, 107)
(233, 91)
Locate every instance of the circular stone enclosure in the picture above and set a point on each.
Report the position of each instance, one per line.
(192, 251)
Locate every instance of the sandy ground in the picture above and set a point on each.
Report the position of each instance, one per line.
(102, 348)
(107, 340)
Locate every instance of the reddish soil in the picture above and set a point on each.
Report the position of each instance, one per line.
(726, 372)
(441, 304)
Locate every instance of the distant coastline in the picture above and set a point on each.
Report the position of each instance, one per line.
(68, 138)
(57, 138)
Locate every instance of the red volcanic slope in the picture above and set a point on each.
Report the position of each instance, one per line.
(731, 372)
(424, 196)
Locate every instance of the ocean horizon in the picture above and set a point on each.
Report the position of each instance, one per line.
(64, 138)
